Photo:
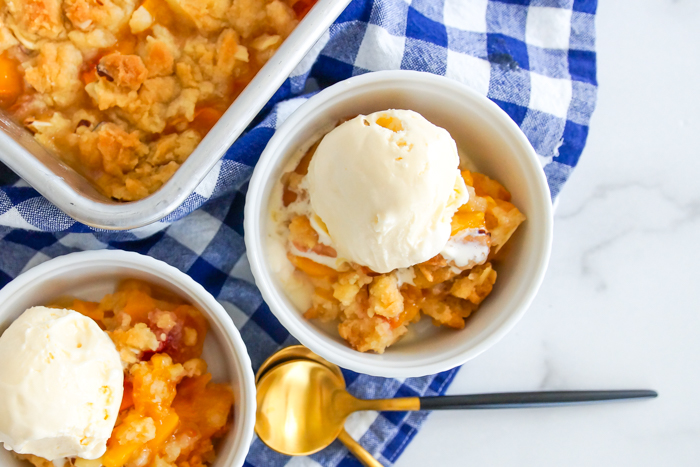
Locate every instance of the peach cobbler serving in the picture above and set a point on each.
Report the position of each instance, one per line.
(124, 90)
(170, 414)
(376, 224)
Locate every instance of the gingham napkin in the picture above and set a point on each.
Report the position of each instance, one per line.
(534, 58)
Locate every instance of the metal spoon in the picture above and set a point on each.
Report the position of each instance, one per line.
(299, 352)
(303, 404)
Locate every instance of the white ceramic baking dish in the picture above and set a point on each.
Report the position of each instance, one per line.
(74, 195)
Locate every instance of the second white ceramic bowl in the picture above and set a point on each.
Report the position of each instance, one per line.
(92, 274)
(496, 146)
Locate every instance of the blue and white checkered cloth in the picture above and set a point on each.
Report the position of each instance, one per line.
(534, 58)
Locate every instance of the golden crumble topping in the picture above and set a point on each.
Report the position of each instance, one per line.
(124, 90)
(384, 297)
(374, 310)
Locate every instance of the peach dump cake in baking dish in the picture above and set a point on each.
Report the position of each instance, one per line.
(380, 222)
(124, 90)
(170, 415)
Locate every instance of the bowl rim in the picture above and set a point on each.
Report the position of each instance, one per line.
(255, 239)
(180, 281)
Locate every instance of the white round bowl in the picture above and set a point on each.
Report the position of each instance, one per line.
(497, 147)
(92, 274)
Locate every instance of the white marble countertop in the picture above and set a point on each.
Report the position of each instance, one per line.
(619, 307)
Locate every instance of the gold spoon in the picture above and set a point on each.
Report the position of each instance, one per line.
(303, 404)
(299, 352)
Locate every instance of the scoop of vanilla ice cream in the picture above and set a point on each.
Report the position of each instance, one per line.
(61, 385)
(386, 186)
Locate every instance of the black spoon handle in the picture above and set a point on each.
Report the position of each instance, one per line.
(512, 400)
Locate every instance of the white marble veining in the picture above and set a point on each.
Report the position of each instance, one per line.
(620, 306)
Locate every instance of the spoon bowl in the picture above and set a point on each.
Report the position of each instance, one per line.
(298, 397)
(296, 353)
